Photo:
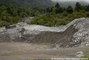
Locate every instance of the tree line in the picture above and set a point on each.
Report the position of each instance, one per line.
(51, 16)
(59, 9)
(11, 14)
(58, 15)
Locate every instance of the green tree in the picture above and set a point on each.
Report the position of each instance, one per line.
(60, 10)
(87, 8)
(69, 9)
(48, 10)
(78, 6)
(57, 5)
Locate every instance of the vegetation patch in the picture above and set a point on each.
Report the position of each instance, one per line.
(58, 15)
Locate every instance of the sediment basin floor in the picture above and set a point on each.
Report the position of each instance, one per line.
(26, 51)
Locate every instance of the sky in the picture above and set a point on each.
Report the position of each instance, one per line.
(71, 0)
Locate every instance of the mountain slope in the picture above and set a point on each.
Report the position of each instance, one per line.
(28, 3)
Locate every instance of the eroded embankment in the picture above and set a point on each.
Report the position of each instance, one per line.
(63, 39)
(73, 34)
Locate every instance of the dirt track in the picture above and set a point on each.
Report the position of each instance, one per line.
(25, 51)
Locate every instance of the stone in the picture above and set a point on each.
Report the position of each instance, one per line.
(79, 54)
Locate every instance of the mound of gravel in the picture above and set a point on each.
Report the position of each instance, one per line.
(74, 34)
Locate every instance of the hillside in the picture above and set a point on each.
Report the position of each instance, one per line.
(12, 11)
(28, 3)
(41, 3)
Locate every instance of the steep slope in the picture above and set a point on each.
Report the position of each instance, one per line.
(28, 3)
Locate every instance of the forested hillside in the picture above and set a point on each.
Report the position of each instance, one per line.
(10, 14)
(59, 15)
(12, 11)
(28, 3)
(44, 11)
